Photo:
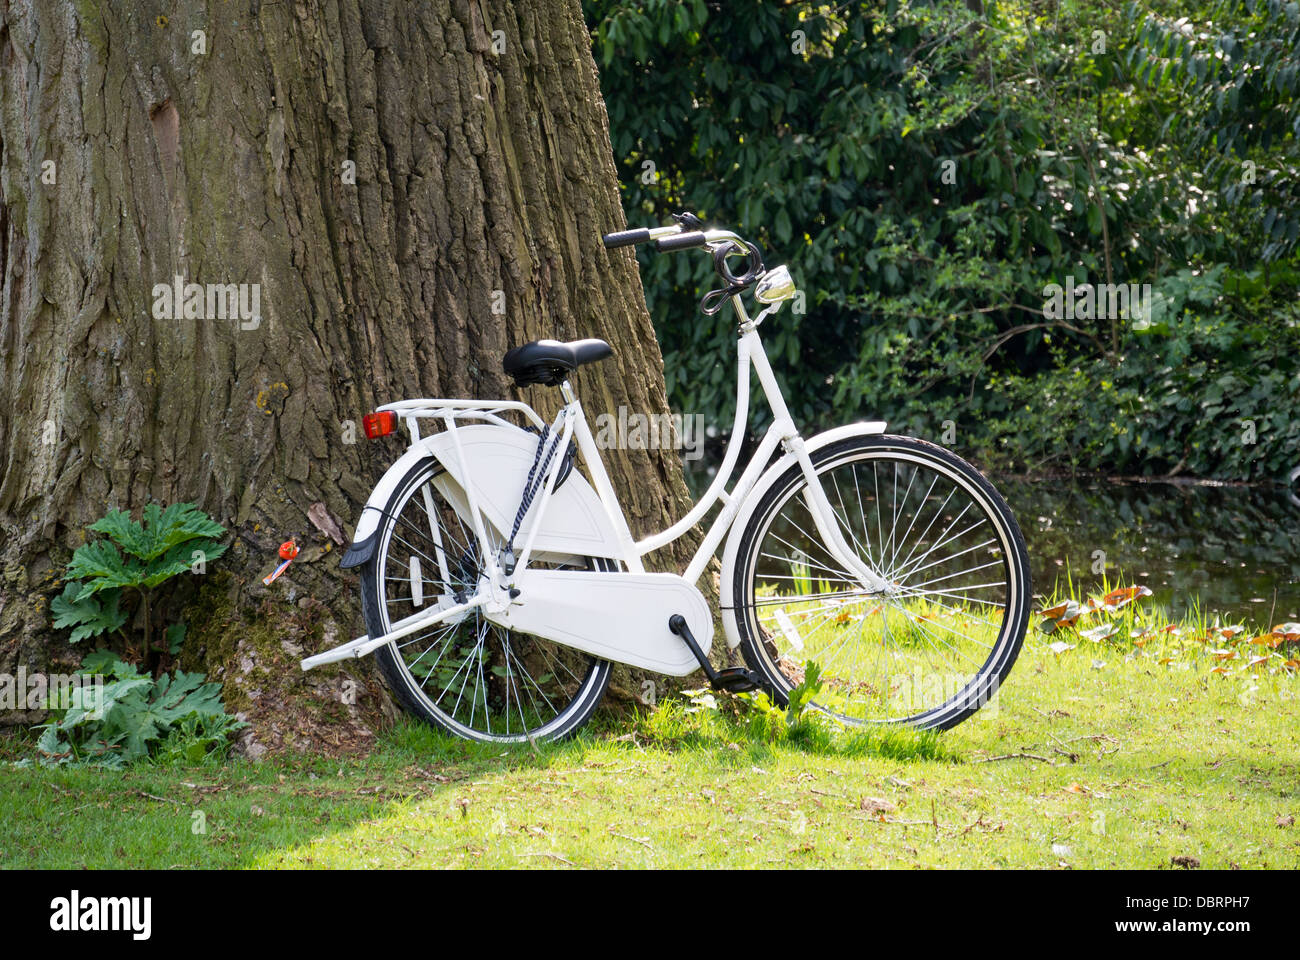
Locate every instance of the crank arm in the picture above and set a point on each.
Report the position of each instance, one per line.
(362, 646)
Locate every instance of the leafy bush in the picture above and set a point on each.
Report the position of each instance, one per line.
(1200, 392)
(927, 171)
(796, 723)
(136, 557)
(133, 717)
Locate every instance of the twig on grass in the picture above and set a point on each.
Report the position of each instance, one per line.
(152, 797)
(553, 856)
(1012, 756)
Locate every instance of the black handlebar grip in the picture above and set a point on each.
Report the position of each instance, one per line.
(625, 238)
(681, 241)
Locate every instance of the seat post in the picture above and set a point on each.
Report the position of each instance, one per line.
(567, 392)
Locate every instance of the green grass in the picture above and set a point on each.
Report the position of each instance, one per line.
(1097, 757)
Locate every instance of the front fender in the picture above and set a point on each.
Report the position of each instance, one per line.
(755, 496)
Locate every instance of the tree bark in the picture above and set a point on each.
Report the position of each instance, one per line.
(483, 180)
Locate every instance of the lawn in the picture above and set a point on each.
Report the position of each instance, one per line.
(1093, 756)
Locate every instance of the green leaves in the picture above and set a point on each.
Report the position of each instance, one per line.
(1223, 85)
(103, 565)
(161, 530)
(146, 717)
(138, 555)
(175, 638)
(131, 715)
(168, 542)
(106, 662)
(89, 617)
(804, 693)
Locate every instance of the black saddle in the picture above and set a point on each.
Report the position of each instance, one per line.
(549, 362)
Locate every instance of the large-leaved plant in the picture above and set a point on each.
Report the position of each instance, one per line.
(127, 565)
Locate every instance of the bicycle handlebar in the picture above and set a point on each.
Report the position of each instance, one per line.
(688, 233)
(682, 241)
(625, 238)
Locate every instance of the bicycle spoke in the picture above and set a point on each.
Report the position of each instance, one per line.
(479, 679)
(908, 571)
(884, 656)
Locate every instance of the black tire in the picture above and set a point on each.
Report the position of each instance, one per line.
(764, 551)
(590, 676)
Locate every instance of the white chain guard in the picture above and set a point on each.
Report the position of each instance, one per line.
(615, 616)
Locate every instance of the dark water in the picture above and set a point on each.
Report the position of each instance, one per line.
(1234, 550)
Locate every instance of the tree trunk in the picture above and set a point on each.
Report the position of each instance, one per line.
(412, 188)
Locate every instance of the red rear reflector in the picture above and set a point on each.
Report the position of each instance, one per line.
(379, 424)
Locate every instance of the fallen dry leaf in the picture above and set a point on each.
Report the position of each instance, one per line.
(875, 805)
(1122, 597)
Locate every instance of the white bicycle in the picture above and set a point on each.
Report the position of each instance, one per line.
(499, 583)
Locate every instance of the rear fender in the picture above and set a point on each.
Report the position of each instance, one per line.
(498, 458)
(365, 537)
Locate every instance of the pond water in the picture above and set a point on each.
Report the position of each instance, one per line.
(1234, 550)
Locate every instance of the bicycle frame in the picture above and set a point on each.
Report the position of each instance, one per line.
(571, 422)
(782, 432)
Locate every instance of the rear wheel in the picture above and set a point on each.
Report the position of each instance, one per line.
(932, 647)
(468, 677)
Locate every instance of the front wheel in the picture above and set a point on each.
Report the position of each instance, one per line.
(938, 641)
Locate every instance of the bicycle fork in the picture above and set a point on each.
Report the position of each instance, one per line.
(828, 527)
(819, 505)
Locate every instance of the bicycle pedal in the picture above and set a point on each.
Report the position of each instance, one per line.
(737, 680)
